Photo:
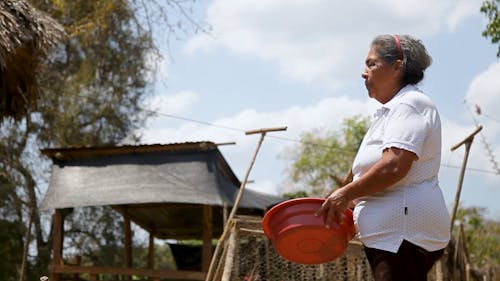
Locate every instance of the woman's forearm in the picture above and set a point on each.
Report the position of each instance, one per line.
(391, 168)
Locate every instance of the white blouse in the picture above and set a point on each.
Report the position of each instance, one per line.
(413, 209)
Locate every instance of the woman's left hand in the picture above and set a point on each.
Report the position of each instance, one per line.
(334, 206)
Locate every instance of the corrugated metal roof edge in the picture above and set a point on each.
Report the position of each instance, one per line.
(72, 153)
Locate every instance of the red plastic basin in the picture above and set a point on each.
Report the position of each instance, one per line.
(300, 236)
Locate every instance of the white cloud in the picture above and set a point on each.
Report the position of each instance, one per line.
(171, 105)
(461, 11)
(484, 90)
(328, 114)
(321, 41)
(264, 187)
(177, 103)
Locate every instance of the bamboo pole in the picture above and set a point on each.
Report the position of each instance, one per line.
(230, 258)
(221, 240)
(464, 245)
(439, 270)
(467, 272)
(468, 142)
(221, 262)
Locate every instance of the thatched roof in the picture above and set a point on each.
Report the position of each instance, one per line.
(26, 35)
(162, 188)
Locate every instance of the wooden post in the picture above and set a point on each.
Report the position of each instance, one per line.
(468, 142)
(221, 240)
(57, 248)
(224, 214)
(151, 251)
(78, 262)
(127, 243)
(207, 238)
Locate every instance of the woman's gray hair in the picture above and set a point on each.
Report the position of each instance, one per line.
(414, 55)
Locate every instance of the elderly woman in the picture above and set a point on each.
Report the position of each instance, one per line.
(400, 213)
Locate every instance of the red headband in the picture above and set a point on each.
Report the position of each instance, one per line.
(398, 46)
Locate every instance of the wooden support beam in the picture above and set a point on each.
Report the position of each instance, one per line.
(57, 248)
(78, 262)
(162, 274)
(127, 243)
(151, 251)
(265, 130)
(207, 238)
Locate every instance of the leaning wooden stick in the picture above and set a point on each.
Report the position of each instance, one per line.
(468, 142)
(222, 239)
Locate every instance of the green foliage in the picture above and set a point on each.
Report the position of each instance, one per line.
(92, 86)
(95, 234)
(322, 156)
(11, 245)
(11, 234)
(162, 256)
(298, 194)
(490, 9)
(482, 236)
(94, 83)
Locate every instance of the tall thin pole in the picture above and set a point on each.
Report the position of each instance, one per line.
(222, 239)
(468, 142)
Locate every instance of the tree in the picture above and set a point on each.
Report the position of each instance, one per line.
(92, 86)
(482, 237)
(322, 159)
(490, 9)
(11, 234)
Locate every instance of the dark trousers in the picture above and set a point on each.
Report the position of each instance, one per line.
(410, 263)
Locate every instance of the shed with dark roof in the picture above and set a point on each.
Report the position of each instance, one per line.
(174, 191)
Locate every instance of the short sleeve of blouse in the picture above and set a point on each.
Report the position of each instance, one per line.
(405, 129)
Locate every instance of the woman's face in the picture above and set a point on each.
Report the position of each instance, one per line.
(382, 80)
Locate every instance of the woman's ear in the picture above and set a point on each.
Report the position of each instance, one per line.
(398, 64)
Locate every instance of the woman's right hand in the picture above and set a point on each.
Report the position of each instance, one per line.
(334, 206)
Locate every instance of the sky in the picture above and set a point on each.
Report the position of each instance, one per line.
(298, 63)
